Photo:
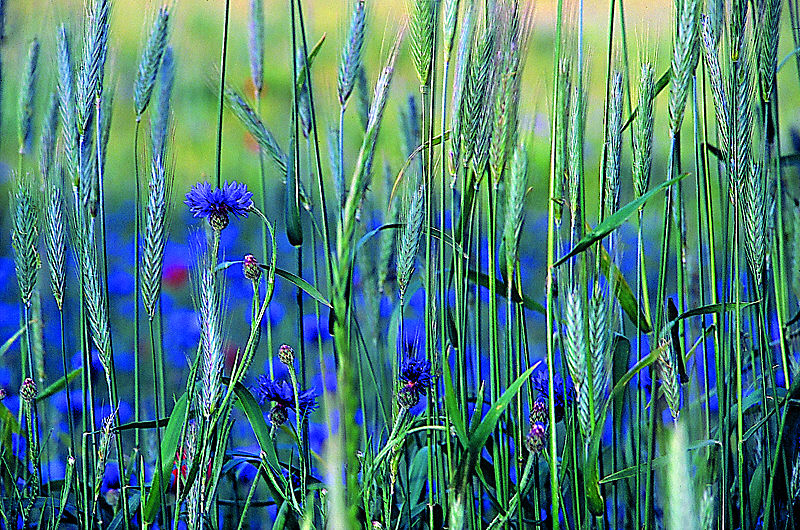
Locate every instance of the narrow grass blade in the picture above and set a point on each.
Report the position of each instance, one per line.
(169, 447)
(613, 222)
(58, 385)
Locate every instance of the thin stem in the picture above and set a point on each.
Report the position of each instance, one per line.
(223, 65)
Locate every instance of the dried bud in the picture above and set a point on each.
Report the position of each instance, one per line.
(539, 412)
(278, 415)
(252, 271)
(407, 397)
(535, 440)
(28, 390)
(286, 354)
(218, 220)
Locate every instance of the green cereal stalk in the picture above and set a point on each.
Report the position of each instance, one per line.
(575, 349)
(409, 240)
(600, 322)
(155, 235)
(643, 132)
(421, 33)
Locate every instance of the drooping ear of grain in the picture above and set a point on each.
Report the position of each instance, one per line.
(255, 45)
(422, 27)
(155, 235)
(56, 240)
(350, 62)
(27, 98)
(410, 238)
(255, 127)
(575, 346)
(66, 98)
(614, 146)
(719, 87)
(150, 62)
(160, 123)
(685, 51)
(768, 34)
(516, 186)
(25, 235)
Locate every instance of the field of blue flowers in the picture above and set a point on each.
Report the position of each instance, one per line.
(405, 309)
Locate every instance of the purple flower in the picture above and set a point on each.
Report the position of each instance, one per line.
(560, 399)
(416, 374)
(216, 203)
(280, 393)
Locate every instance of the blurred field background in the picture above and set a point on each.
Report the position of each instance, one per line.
(196, 37)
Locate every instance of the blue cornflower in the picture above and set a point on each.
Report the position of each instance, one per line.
(216, 203)
(416, 374)
(280, 393)
(560, 399)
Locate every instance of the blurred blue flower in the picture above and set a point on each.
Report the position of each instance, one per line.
(314, 330)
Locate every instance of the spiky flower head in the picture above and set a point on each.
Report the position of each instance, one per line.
(416, 377)
(215, 204)
(537, 437)
(28, 390)
(286, 354)
(280, 393)
(251, 268)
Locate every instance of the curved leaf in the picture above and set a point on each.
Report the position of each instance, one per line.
(169, 447)
(616, 219)
(480, 434)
